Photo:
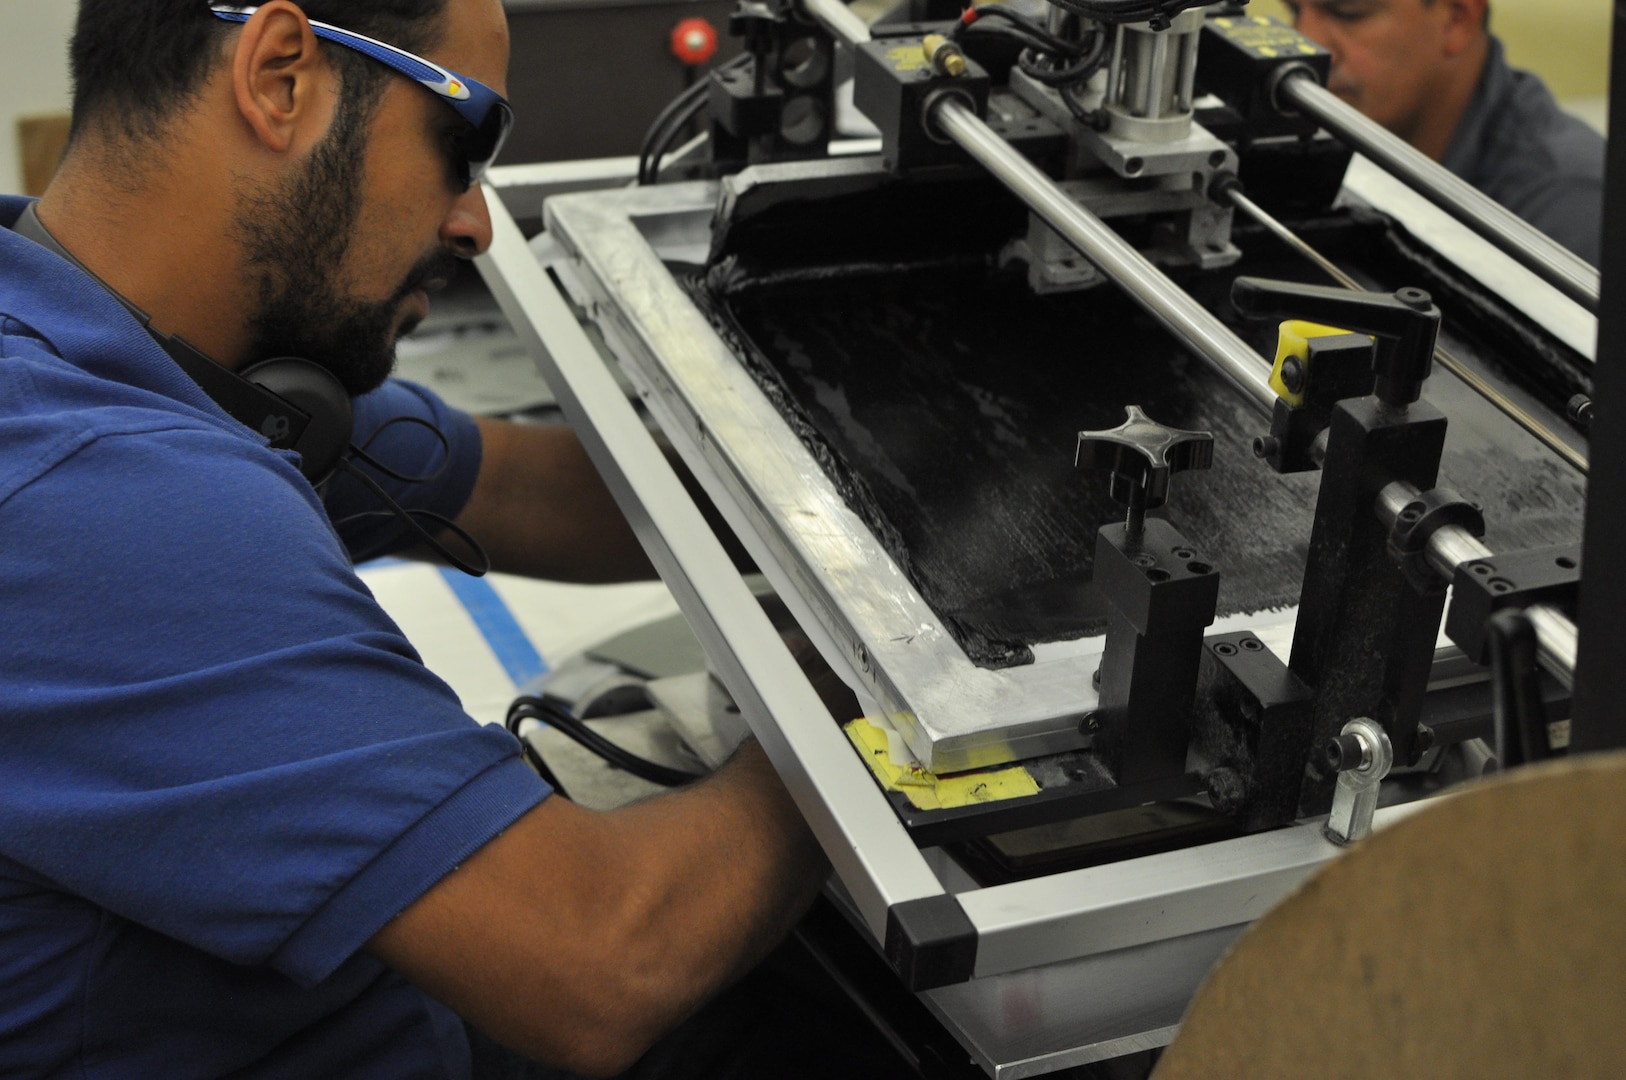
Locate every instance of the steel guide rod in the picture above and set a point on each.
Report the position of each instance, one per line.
(1134, 273)
(1095, 240)
(1552, 262)
(839, 19)
(1451, 545)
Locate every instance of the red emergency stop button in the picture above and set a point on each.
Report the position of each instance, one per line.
(694, 41)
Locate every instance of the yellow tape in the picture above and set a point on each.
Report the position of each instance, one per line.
(928, 791)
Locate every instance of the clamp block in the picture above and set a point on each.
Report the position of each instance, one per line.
(894, 84)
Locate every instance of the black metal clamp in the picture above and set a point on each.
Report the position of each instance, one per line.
(1162, 593)
(778, 105)
(1518, 579)
(1404, 322)
(1365, 637)
(1418, 521)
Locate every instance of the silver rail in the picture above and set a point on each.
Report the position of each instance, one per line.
(1537, 252)
(839, 19)
(854, 823)
(1146, 284)
(1451, 545)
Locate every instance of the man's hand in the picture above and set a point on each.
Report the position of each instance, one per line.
(578, 938)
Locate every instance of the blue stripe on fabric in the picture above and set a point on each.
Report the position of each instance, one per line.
(497, 625)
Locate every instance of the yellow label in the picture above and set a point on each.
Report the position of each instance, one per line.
(1265, 36)
(907, 58)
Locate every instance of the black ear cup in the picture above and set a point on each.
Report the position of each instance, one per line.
(315, 392)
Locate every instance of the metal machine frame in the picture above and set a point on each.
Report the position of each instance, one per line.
(1031, 976)
(1171, 913)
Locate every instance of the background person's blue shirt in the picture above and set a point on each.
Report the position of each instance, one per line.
(222, 766)
(1517, 146)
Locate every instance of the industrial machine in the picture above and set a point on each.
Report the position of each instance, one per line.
(1180, 494)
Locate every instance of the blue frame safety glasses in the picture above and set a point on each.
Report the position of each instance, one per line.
(490, 117)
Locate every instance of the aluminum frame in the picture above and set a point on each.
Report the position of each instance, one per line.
(1164, 918)
(1097, 911)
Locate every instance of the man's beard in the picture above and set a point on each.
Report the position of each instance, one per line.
(294, 240)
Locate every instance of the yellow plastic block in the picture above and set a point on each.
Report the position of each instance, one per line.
(1293, 339)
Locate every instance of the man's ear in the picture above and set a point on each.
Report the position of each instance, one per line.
(1465, 24)
(276, 73)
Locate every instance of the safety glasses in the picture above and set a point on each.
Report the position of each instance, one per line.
(490, 117)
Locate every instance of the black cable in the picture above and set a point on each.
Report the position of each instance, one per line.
(674, 118)
(1156, 12)
(1021, 26)
(1041, 68)
(1092, 118)
(665, 144)
(658, 133)
(440, 436)
(409, 517)
(566, 723)
(515, 719)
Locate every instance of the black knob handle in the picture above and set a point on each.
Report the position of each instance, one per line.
(1143, 455)
(1405, 322)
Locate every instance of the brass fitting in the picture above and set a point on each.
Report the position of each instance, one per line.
(944, 56)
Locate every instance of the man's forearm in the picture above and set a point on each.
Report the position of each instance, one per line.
(579, 938)
(758, 857)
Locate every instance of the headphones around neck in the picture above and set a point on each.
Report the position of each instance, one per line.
(294, 403)
(297, 405)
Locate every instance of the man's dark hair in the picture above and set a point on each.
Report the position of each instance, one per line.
(137, 63)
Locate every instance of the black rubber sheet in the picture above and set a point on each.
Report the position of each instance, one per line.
(944, 399)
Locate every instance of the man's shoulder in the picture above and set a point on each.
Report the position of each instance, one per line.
(52, 411)
(1519, 147)
(1527, 136)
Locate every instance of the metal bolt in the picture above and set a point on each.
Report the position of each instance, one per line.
(1416, 299)
(1363, 756)
(943, 55)
(1580, 409)
(1348, 751)
(1293, 375)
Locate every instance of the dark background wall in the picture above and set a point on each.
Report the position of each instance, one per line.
(587, 79)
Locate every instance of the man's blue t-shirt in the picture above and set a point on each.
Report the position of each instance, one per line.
(222, 766)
